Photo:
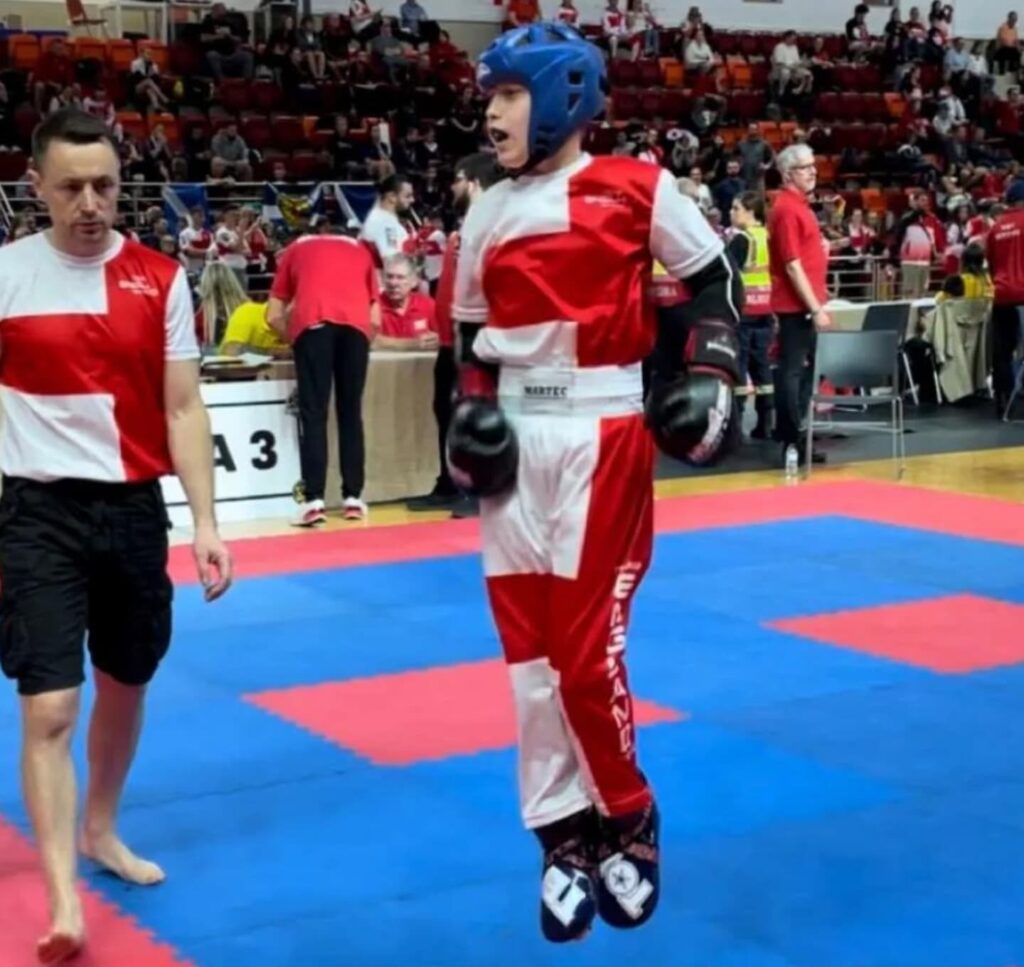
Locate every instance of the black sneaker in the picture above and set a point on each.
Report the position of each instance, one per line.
(435, 500)
(567, 901)
(465, 507)
(628, 881)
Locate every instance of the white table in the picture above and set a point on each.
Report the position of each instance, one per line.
(256, 440)
(256, 452)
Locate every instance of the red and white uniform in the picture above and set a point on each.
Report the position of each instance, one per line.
(84, 347)
(230, 249)
(556, 268)
(196, 245)
(432, 250)
(613, 23)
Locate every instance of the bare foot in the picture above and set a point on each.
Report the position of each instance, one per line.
(66, 937)
(110, 853)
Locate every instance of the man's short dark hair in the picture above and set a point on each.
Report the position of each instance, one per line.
(393, 183)
(481, 168)
(69, 124)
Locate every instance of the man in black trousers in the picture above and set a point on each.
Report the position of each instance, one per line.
(474, 174)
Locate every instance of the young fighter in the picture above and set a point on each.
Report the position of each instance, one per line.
(550, 432)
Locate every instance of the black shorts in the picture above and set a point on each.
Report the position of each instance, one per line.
(81, 559)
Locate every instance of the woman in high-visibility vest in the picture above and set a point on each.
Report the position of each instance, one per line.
(748, 247)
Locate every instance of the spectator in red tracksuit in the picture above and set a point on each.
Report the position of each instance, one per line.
(1004, 248)
(474, 174)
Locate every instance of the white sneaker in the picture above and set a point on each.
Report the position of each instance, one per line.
(353, 508)
(311, 513)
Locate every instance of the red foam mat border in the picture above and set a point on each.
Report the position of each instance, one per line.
(981, 518)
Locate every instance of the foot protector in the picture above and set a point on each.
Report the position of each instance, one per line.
(58, 948)
(628, 883)
(567, 902)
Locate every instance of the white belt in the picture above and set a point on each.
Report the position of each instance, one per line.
(591, 391)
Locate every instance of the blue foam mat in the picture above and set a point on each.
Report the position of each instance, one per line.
(822, 808)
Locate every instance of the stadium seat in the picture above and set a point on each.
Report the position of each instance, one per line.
(120, 54)
(672, 74)
(266, 96)
(255, 131)
(23, 50)
(235, 94)
(650, 73)
(133, 124)
(90, 48)
(286, 131)
(625, 105)
(651, 104)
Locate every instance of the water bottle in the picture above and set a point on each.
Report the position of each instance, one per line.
(792, 464)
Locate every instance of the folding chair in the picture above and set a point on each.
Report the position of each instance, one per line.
(896, 316)
(870, 360)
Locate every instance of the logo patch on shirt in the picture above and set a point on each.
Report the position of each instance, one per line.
(138, 284)
(611, 199)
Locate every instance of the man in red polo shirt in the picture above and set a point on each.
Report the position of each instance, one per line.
(798, 259)
(324, 300)
(474, 174)
(406, 315)
(1004, 247)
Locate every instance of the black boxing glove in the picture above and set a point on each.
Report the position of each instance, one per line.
(692, 415)
(481, 448)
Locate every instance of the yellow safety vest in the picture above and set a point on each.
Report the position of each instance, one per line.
(757, 280)
(664, 289)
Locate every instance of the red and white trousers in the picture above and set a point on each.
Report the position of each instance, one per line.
(564, 553)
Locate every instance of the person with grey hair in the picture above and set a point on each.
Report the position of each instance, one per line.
(798, 259)
(406, 315)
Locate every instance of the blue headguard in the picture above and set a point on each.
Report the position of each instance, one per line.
(564, 73)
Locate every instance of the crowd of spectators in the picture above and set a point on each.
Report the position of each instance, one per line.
(361, 96)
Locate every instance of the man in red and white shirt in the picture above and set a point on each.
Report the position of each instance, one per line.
(550, 432)
(614, 27)
(230, 244)
(324, 301)
(406, 315)
(99, 382)
(196, 241)
(473, 175)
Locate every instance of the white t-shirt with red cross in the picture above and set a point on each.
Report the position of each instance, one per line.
(83, 350)
(556, 266)
(196, 245)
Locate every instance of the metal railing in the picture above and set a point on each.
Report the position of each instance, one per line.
(867, 278)
(875, 278)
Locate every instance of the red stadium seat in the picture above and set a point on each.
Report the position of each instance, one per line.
(235, 94)
(650, 73)
(287, 132)
(255, 131)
